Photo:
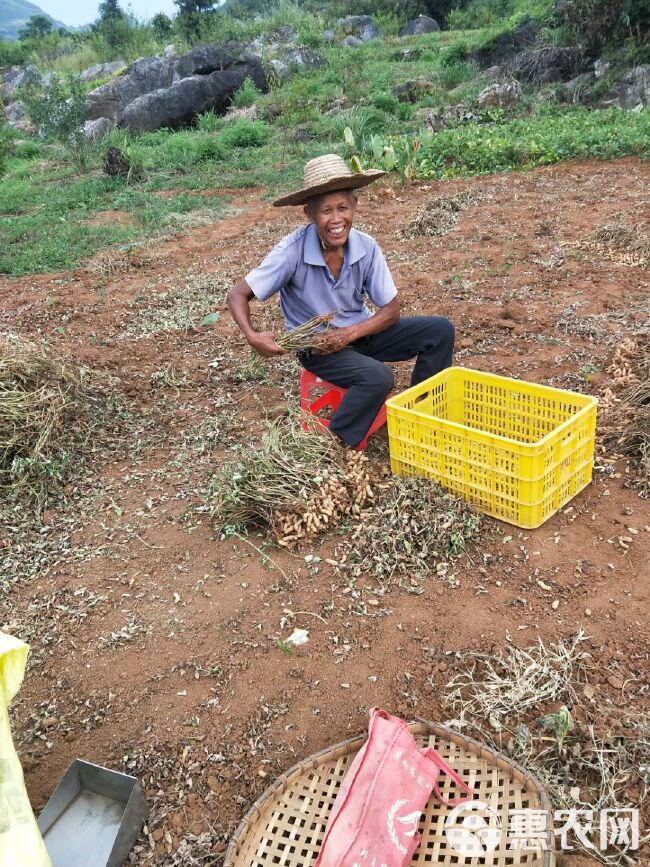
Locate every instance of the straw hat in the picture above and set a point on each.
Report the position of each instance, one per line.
(328, 174)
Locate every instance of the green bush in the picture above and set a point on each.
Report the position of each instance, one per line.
(385, 102)
(210, 122)
(243, 133)
(183, 149)
(5, 147)
(60, 111)
(246, 95)
(28, 150)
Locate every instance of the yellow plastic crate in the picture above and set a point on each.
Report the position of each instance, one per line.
(516, 450)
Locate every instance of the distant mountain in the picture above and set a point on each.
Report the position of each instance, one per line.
(14, 15)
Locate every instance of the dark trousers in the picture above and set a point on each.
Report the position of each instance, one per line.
(359, 368)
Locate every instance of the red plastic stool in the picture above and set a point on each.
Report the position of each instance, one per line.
(330, 398)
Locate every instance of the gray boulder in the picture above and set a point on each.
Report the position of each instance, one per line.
(48, 78)
(15, 111)
(412, 90)
(17, 77)
(500, 95)
(281, 69)
(548, 63)
(503, 47)
(577, 87)
(329, 36)
(179, 104)
(153, 75)
(206, 58)
(305, 58)
(101, 70)
(143, 76)
(422, 24)
(360, 26)
(352, 41)
(95, 130)
(631, 92)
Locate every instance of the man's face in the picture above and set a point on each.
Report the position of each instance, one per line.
(332, 215)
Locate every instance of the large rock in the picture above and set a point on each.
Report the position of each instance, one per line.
(143, 76)
(17, 77)
(422, 24)
(96, 130)
(548, 63)
(437, 119)
(413, 90)
(360, 26)
(101, 70)
(305, 58)
(353, 42)
(179, 104)
(503, 47)
(15, 111)
(576, 88)
(159, 78)
(631, 92)
(500, 95)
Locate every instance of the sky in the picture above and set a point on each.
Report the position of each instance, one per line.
(75, 13)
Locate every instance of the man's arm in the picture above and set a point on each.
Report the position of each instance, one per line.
(239, 303)
(339, 338)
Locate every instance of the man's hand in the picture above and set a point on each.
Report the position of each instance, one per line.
(335, 339)
(264, 343)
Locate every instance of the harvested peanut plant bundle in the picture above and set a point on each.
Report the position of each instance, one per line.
(305, 336)
(625, 408)
(296, 482)
(48, 409)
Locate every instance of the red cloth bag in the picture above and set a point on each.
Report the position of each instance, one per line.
(375, 816)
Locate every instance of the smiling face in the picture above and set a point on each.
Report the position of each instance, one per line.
(332, 214)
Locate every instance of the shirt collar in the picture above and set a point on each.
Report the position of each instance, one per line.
(313, 252)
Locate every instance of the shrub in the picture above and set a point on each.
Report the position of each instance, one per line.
(183, 149)
(60, 114)
(210, 122)
(27, 150)
(246, 95)
(245, 133)
(385, 102)
(362, 120)
(5, 147)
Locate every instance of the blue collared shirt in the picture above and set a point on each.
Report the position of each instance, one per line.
(296, 269)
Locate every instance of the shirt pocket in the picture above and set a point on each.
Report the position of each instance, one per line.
(351, 295)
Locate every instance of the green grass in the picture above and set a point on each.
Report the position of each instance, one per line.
(46, 209)
(522, 143)
(43, 228)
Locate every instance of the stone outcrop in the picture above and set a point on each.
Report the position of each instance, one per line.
(158, 91)
(422, 24)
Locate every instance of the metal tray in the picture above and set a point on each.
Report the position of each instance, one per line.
(93, 818)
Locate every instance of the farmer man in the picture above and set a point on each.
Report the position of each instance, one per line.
(329, 267)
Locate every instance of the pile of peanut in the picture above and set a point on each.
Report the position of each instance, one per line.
(338, 492)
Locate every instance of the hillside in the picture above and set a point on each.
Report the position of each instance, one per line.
(14, 15)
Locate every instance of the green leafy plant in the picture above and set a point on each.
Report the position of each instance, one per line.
(5, 147)
(246, 95)
(60, 113)
(244, 133)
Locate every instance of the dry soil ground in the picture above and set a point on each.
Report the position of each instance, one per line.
(154, 641)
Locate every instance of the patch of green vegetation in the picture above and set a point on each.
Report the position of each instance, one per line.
(521, 143)
(48, 227)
